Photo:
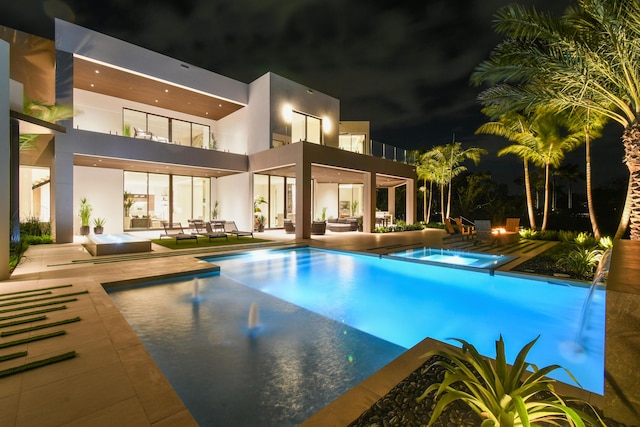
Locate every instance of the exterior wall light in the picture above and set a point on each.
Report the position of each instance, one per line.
(287, 113)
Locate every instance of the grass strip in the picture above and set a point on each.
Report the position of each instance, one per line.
(35, 328)
(6, 304)
(31, 339)
(12, 356)
(35, 290)
(26, 296)
(22, 321)
(203, 242)
(26, 307)
(31, 313)
(37, 364)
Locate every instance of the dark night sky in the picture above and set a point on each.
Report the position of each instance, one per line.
(402, 65)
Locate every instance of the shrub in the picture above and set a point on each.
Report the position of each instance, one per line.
(581, 262)
(501, 394)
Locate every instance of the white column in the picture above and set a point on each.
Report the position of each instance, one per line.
(5, 193)
(303, 197)
(369, 208)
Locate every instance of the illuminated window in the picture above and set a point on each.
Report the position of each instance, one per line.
(305, 128)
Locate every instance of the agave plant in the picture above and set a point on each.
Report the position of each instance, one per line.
(503, 396)
(581, 262)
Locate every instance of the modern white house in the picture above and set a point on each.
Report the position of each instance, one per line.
(154, 139)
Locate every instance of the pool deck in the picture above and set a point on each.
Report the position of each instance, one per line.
(113, 377)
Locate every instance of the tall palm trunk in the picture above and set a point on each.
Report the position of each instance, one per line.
(430, 198)
(424, 202)
(592, 213)
(546, 196)
(442, 201)
(631, 140)
(527, 189)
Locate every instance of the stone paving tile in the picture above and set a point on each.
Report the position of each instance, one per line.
(66, 400)
(113, 374)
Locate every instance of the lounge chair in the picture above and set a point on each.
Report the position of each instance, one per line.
(289, 226)
(451, 230)
(466, 230)
(230, 227)
(171, 232)
(208, 231)
(483, 231)
(512, 225)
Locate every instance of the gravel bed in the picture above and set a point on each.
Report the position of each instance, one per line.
(399, 406)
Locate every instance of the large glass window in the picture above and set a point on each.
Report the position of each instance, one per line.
(165, 129)
(350, 197)
(35, 193)
(182, 199)
(158, 199)
(201, 199)
(181, 132)
(290, 207)
(155, 198)
(306, 128)
(280, 195)
(134, 120)
(136, 208)
(200, 136)
(352, 142)
(276, 202)
(159, 127)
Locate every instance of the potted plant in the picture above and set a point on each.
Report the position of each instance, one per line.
(354, 207)
(98, 225)
(127, 203)
(259, 200)
(360, 223)
(261, 222)
(216, 210)
(85, 216)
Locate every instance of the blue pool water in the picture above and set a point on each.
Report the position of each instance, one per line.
(329, 319)
(453, 258)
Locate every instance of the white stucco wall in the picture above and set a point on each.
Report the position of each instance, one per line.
(103, 190)
(234, 194)
(326, 196)
(232, 132)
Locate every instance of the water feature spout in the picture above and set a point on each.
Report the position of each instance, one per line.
(254, 318)
(575, 349)
(602, 272)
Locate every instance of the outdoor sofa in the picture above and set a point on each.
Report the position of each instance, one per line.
(342, 224)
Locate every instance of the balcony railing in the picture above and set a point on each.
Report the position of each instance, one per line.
(389, 152)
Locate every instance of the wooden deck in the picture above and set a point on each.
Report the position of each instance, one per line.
(524, 249)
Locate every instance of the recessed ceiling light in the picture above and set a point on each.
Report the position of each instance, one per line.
(92, 85)
(219, 105)
(156, 100)
(166, 91)
(97, 71)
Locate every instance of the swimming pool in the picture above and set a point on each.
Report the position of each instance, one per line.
(450, 257)
(368, 307)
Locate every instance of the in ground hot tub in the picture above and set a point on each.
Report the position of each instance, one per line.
(112, 244)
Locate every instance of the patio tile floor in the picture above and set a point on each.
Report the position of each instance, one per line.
(113, 377)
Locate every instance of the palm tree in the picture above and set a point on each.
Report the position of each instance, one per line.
(592, 123)
(515, 127)
(587, 59)
(427, 169)
(453, 155)
(551, 143)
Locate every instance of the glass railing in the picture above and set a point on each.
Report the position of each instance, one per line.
(389, 152)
